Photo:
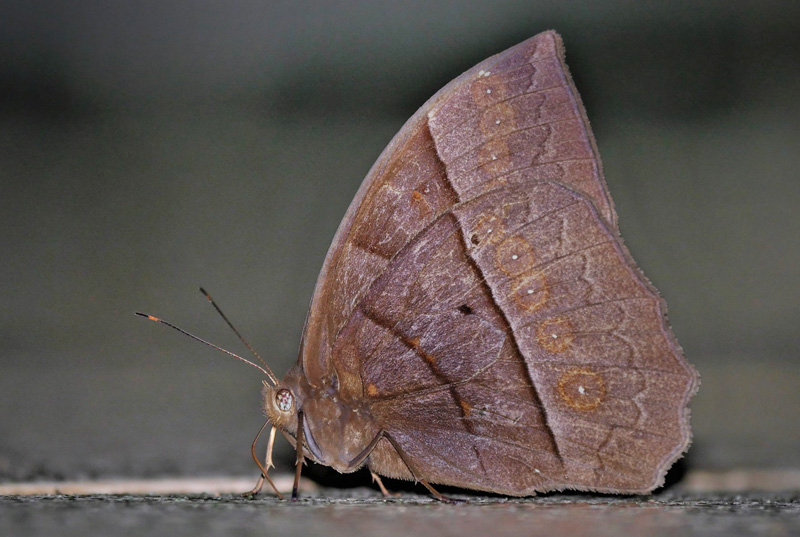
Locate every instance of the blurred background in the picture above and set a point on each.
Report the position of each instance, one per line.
(150, 148)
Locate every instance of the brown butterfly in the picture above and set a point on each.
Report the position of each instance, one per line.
(478, 321)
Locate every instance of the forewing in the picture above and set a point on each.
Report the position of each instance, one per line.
(515, 117)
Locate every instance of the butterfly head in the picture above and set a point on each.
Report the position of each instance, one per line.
(282, 402)
(335, 431)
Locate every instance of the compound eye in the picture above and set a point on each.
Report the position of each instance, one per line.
(284, 400)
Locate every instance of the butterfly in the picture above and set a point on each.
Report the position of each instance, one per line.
(478, 321)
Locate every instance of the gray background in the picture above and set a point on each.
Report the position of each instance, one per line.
(155, 147)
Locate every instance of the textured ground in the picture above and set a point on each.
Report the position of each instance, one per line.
(354, 512)
(692, 507)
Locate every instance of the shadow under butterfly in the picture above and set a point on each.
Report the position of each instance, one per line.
(478, 322)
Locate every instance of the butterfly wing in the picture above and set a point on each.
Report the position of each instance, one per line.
(478, 298)
(410, 185)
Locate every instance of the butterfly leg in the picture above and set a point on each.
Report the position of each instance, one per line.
(259, 485)
(377, 479)
(267, 463)
(438, 495)
(361, 457)
(300, 459)
(435, 493)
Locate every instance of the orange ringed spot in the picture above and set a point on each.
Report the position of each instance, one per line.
(581, 389)
(514, 256)
(555, 334)
(531, 292)
(485, 231)
(372, 390)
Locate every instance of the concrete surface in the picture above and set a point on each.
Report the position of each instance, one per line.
(364, 512)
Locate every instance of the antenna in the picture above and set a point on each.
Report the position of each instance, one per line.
(268, 373)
